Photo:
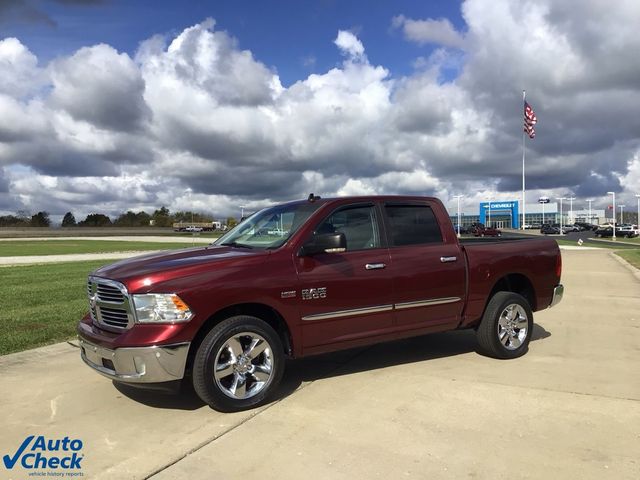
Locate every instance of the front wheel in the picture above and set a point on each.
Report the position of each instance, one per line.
(506, 326)
(238, 365)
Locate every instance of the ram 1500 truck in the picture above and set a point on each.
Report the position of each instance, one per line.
(304, 278)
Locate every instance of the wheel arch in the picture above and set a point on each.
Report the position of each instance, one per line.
(516, 283)
(261, 311)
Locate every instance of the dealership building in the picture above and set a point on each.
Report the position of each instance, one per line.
(507, 214)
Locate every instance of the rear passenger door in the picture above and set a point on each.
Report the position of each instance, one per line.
(427, 268)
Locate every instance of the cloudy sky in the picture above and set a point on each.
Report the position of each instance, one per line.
(106, 107)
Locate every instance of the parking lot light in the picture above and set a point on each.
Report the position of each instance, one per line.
(638, 219)
(614, 213)
(561, 226)
(458, 197)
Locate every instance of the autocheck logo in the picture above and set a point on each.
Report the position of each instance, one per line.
(39, 453)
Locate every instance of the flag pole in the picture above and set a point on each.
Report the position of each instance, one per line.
(523, 185)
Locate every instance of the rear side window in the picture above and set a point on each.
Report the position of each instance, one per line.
(412, 225)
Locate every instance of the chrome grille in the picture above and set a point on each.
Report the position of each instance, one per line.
(109, 304)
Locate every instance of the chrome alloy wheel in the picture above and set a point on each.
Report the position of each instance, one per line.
(512, 326)
(243, 365)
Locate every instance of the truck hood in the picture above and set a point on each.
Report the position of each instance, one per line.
(146, 270)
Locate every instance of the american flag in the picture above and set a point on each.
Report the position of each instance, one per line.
(530, 120)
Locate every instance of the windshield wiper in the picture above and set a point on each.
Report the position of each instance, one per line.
(237, 245)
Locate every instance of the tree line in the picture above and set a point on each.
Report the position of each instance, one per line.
(161, 217)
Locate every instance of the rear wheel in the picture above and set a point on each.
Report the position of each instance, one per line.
(238, 365)
(506, 326)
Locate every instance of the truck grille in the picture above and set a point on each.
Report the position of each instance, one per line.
(109, 304)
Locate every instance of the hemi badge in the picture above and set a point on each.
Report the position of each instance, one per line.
(289, 294)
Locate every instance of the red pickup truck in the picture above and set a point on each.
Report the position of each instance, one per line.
(304, 278)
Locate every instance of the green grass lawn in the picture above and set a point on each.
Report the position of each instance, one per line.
(631, 256)
(60, 247)
(41, 304)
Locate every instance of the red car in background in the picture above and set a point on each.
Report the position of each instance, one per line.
(479, 230)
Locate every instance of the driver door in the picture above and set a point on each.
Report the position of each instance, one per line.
(348, 295)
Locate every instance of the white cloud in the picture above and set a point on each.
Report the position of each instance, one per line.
(19, 67)
(440, 31)
(349, 45)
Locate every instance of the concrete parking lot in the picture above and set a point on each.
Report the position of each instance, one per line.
(428, 407)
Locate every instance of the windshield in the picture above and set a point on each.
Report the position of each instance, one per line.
(269, 228)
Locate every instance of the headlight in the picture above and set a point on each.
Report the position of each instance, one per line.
(161, 308)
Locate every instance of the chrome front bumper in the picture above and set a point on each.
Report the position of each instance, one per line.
(558, 292)
(158, 363)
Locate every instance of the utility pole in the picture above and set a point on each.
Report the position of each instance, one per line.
(590, 221)
(613, 194)
(571, 199)
(458, 197)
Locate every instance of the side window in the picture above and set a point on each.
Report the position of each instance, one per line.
(412, 225)
(358, 224)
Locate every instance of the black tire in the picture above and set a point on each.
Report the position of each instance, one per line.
(226, 394)
(491, 329)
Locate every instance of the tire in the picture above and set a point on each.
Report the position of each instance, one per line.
(247, 355)
(506, 326)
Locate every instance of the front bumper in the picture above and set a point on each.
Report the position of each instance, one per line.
(154, 364)
(558, 292)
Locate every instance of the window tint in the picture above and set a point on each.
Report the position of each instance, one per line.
(358, 225)
(412, 225)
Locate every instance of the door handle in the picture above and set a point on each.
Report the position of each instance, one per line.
(448, 259)
(375, 266)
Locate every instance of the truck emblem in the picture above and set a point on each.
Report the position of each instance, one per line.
(314, 293)
(288, 294)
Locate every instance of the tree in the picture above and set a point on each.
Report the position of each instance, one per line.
(131, 219)
(95, 220)
(231, 222)
(13, 221)
(162, 217)
(188, 217)
(69, 220)
(40, 219)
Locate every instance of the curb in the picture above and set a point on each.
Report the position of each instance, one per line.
(627, 265)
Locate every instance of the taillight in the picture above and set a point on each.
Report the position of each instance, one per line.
(559, 266)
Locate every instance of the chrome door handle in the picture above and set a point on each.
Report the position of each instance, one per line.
(448, 259)
(375, 266)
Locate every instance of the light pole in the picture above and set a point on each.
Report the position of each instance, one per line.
(621, 210)
(458, 197)
(638, 219)
(571, 199)
(614, 213)
(489, 223)
(561, 225)
(590, 220)
(241, 212)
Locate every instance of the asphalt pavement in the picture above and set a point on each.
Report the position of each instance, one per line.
(427, 407)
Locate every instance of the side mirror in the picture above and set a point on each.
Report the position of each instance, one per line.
(325, 243)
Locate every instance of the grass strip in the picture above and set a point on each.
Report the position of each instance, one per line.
(631, 256)
(22, 248)
(41, 304)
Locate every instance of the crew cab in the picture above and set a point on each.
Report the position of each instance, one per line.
(333, 274)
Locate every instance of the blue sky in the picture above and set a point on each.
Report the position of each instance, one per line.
(269, 101)
(294, 37)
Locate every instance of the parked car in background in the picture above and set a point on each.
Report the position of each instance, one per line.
(479, 230)
(627, 230)
(549, 229)
(586, 226)
(564, 228)
(605, 231)
(193, 228)
(463, 229)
